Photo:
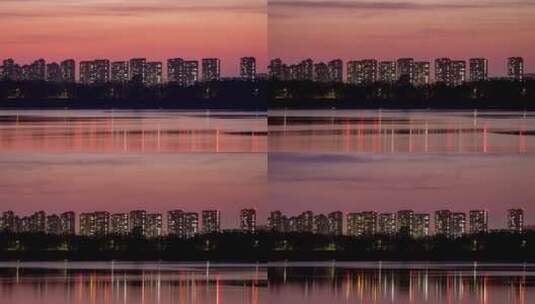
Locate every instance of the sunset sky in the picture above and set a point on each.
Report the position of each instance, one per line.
(387, 29)
(290, 29)
(120, 29)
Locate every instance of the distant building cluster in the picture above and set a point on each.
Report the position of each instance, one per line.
(184, 72)
(186, 225)
(39, 70)
(404, 70)
(99, 71)
(100, 223)
(404, 222)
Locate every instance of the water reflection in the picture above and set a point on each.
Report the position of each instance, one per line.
(131, 283)
(401, 131)
(281, 283)
(132, 131)
(402, 283)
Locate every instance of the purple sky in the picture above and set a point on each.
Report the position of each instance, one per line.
(290, 29)
(389, 29)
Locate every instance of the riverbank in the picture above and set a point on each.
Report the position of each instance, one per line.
(267, 246)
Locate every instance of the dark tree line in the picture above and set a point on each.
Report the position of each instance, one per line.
(217, 94)
(270, 246)
(503, 94)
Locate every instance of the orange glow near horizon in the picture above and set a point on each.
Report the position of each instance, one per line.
(390, 29)
(120, 29)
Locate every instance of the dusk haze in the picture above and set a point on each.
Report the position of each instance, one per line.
(124, 29)
(390, 29)
(267, 151)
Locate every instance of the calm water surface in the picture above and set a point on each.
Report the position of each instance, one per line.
(349, 160)
(132, 131)
(382, 131)
(279, 283)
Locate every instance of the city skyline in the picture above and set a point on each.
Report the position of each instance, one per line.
(389, 29)
(187, 223)
(288, 29)
(187, 72)
(127, 29)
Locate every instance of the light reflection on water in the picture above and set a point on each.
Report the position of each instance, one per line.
(382, 131)
(280, 283)
(132, 131)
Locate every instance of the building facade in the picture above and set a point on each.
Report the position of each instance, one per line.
(248, 68)
(515, 220)
(211, 69)
(248, 220)
(479, 220)
(211, 221)
(515, 68)
(479, 69)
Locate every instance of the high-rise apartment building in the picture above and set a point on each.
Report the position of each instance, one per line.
(248, 68)
(421, 225)
(443, 223)
(53, 224)
(36, 70)
(422, 73)
(276, 69)
(362, 72)
(137, 220)
(182, 224)
(515, 68)
(405, 222)
(8, 222)
(443, 70)
(458, 73)
(87, 224)
(450, 72)
(387, 72)
(336, 223)
(304, 70)
(68, 70)
(321, 72)
(191, 224)
(458, 224)
(336, 70)
(53, 72)
(153, 225)
(137, 69)
(277, 221)
(479, 69)
(211, 69)
(176, 222)
(95, 72)
(68, 223)
(185, 73)
(321, 224)
(175, 70)
(119, 224)
(211, 221)
(86, 68)
(387, 223)
(405, 70)
(191, 73)
(362, 223)
(153, 74)
(515, 220)
(119, 72)
(102, 223)
(11, 70)
(37, 222)
(248, 220)
(478, 221)
(305, 222)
